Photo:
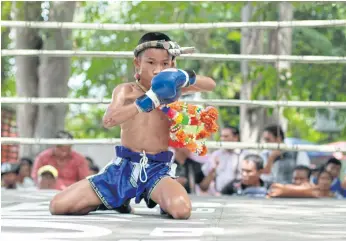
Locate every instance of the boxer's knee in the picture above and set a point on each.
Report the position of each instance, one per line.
(179, 207)
(57, 207)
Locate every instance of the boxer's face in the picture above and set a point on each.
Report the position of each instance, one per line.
(151, 62)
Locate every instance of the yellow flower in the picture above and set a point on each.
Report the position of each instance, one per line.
(179, 118)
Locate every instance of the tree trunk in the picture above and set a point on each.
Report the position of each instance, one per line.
(54, 72)
(254, 120)
(26, 73)
(5, 15)
(285, 34)
(251, 119)
(281, 44)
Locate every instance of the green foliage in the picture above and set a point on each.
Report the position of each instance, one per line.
(102, 75)
(308, 82)
(8, 85)
(97, 77)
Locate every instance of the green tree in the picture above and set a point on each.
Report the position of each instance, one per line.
(100, 76)
(307, 82)
(96, 77)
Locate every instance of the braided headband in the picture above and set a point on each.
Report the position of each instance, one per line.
(172, 47)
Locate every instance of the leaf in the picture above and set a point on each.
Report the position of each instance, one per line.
(234, 36)
(315, 40)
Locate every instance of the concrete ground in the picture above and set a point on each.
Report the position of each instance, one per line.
(25, 216)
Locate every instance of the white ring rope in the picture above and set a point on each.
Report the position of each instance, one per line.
(215, 102)
(210, 144)
(174, 26)
(201, 56)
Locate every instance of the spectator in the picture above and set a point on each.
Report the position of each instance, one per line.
(225, 162)
(251, 183)
(333, 166)
(324, 184)
(9, 174)
(301, 175)
(47, 177)
(24, 178)
(279, 165)
(189, 172)
(71, 165)
(314, 173)
(321, 190)
(94, 170)
(90, 161)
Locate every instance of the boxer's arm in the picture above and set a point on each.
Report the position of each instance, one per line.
(203, 84)
(121, 108)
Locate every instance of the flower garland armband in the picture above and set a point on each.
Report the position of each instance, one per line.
(189, 124)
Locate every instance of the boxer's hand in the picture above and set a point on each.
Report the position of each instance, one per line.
(164, 90)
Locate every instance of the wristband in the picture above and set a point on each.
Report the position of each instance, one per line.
(190, 77)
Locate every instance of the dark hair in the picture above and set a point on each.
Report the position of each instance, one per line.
(234, 129)
(95, 168)
(25, 159)
(333, 161)
(323, 170)
(276, 131)
(89, 159)
(47, 174)
(303, 168)
(152, 36)
(8, 167)
(64, 135)
(255, 159)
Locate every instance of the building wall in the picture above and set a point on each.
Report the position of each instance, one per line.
(9, 153)
(101, 154)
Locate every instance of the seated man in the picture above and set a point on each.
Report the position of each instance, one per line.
(223, 164)
(320, 190)
(9, 175)
(24, 179)
(333, 166)
(72, 166)
(251, 183)
(279, 165)
(188, 171)
(301, 175)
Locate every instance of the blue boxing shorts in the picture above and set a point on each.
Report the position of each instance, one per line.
(131, 175)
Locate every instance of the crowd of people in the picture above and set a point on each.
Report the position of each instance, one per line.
(269, 173)
(54, 168)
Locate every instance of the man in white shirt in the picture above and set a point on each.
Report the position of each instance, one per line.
(279, 165)
(224, 163)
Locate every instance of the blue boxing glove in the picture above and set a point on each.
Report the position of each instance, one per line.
(183, 78)
(163, 90)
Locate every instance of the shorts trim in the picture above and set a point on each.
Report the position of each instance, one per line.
(152, 189)
(96, 190)
(103, 200)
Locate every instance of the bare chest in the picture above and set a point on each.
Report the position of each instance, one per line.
(155, 121)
